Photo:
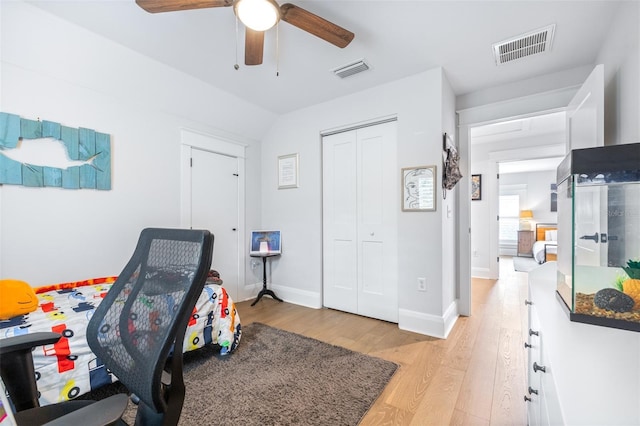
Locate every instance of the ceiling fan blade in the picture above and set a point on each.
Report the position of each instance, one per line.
(155, 6)
(315, 25)
(253, 47)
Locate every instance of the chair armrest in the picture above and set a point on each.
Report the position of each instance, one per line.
(27, 341)
(104, 412)
(16, 367)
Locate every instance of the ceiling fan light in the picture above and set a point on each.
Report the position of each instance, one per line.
(259, 15)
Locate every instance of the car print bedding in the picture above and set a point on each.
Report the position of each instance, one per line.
(68, 368)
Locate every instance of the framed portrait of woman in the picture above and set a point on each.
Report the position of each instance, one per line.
(418, 189)
(476, 187)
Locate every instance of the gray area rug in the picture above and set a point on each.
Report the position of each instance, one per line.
(524, 264)
(276, 378)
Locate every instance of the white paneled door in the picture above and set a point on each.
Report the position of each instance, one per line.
(360, 207)
(214, 206)
(585, 129)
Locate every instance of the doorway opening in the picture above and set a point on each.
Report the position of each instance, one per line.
(517, 158)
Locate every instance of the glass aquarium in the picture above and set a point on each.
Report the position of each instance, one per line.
(599, 235)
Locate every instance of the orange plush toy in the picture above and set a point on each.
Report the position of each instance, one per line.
(16, 298)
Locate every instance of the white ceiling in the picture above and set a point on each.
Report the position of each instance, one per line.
(528, 166)
(398, 39)
(529, 127)
(542, 128)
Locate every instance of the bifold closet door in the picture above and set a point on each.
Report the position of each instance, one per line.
(360, 205)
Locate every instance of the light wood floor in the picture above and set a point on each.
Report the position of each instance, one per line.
(474, 377)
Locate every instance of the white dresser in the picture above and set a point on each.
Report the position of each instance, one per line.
(584, 374)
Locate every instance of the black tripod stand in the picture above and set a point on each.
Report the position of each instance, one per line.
(265, 290)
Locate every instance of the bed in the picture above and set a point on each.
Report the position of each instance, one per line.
(68, 368)
(545, 248)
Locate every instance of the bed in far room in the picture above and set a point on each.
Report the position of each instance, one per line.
(545, 247)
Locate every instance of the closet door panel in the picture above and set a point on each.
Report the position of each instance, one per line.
(360, 205)
(377, 222)
(339, 223)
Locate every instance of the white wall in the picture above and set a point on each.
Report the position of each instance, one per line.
(538, 198)
(54, 70)
(418, 103)
(449, 213)
(620, 55)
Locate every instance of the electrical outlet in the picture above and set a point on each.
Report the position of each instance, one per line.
(422, 284)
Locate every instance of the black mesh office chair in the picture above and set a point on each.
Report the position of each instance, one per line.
(142, 320)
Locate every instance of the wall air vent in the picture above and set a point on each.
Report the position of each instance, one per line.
(531, 43)
(351, 69)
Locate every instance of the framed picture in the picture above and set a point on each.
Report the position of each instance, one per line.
(554, 197)
(476, 187)
(418, 189)
(288, 171)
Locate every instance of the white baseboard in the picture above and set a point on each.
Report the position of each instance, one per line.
(481, 273)
(309, 299)
(431, 325)
(248, 292)
(292, 295)
(507, 251)
(417, 322)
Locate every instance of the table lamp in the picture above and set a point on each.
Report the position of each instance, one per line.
(525, 220)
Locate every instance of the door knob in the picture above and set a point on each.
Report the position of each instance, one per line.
(537, 368)
(233, 229)
(593, 237)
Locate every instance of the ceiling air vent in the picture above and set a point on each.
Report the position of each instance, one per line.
(531, 43)
(351, 69)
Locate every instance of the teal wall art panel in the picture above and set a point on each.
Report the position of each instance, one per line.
(32, 174)
(70, 176)
(103, 161)
(52, 176)
(87, 150)
(47, 154)
(10, 171)
(9, 130)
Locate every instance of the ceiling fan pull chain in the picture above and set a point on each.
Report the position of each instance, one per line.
(236, 66)
(278, 49)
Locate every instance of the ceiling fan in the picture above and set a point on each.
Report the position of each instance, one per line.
(259, 16)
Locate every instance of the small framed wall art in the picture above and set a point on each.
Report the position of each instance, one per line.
(418, 189)
(288, 171)
(476, 187)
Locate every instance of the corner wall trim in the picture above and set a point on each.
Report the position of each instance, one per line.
(430, 325)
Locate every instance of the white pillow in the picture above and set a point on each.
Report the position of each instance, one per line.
(547, 235)
(551, 235)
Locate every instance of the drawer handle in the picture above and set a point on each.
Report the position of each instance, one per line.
(527, 399)
(527, 346)
(533, 333)
(528, 302)
(532, 391)
(537, 368)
